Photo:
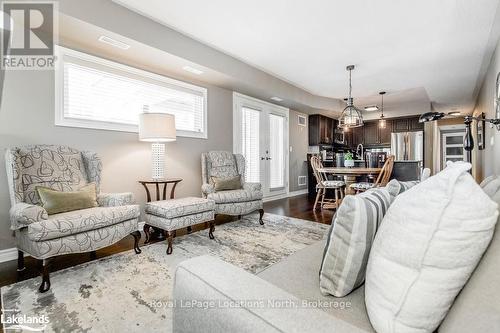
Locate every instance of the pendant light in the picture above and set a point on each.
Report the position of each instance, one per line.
(381, 122)
(351, 115)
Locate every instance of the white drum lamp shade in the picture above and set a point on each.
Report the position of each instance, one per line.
(157, 128)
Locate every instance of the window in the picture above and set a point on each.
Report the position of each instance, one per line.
(277, 150)
(250, 123)
(96, 93)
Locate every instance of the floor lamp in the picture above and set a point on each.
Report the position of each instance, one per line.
(157, 128)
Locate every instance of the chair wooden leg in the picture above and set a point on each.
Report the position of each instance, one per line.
(137, 236)
(323, 198)
(169, 240)
(147, 232)
(20, 261)
(318, 194)
(93, 255)
(45, 272)
(337, 198)
(261, 214)
(211, 231)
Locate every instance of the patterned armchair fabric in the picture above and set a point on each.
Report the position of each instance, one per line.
(64, 169)
(223, 164)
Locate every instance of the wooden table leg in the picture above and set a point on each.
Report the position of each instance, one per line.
(348, 181)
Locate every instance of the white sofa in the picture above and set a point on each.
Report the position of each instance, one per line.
(294, 280)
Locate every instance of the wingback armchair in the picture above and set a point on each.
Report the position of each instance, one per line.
(223, 164)
(44, 236)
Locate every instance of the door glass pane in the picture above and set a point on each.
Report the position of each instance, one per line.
(250, 130)
(450, 140)
(277, 151)
(454, 151)
(455, 159)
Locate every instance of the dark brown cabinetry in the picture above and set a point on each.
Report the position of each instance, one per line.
(400, 125)
(321, 130)
(385, 133)
(407, 124)
(371, 133)
(415, 125)
(357, 136)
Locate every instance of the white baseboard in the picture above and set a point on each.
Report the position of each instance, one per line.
(285, 195)
(299, 192)
(8, 254)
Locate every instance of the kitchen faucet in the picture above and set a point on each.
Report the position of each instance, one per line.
(357, 151)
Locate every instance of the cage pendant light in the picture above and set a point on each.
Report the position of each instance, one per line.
(351, 115)
(381, 122)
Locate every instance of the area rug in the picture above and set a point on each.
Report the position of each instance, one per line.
(119, 293)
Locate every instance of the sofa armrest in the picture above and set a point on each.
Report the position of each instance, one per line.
(22, 214)
(207, 189)
(252, 187)
(213, 296)
(115, 199)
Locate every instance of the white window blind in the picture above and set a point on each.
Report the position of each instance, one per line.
(250, 123)
(276, 151)
(98, 93)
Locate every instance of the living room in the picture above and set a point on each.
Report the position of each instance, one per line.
(194, 166)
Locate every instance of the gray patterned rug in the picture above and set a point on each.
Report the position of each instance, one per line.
(118, 293)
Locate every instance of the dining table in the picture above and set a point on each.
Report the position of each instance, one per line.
(350, 174)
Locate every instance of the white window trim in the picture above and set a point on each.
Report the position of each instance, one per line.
(60, 120)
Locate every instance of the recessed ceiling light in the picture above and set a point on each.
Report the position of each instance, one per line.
(114, 42)
(277, 99)
(192, 70)
(454, 113)
(371, 108)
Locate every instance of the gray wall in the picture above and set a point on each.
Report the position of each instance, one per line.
(488, 161)
(27, 117)
(298, 140)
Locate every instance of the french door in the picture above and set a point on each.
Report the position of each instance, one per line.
(453, 146)
(260, 133)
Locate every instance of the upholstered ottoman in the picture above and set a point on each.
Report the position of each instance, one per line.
(174, 214)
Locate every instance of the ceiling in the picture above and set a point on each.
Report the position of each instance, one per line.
(435, 48)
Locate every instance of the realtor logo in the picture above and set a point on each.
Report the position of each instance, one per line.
(28, 35)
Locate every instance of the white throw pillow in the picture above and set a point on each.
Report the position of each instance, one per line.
(395, 187)
(491, 186)
(350, 239)
(428, 245)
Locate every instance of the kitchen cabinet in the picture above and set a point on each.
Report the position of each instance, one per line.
(400, 125)
(385, 133)
(410, 124)
(415, 125)
(371, 133)
(321, 130)
(357, 136)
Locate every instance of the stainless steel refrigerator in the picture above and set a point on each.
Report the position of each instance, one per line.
(408, 146)
(408, 149)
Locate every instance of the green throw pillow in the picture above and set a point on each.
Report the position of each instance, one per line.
(59, 202)
(222, 184)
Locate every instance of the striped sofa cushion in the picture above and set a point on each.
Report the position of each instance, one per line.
(395, 187)
(349, 241)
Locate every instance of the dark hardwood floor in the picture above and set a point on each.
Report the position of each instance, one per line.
(298, 207)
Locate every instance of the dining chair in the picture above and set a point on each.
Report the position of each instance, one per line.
(382, 179)
(323, 184)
